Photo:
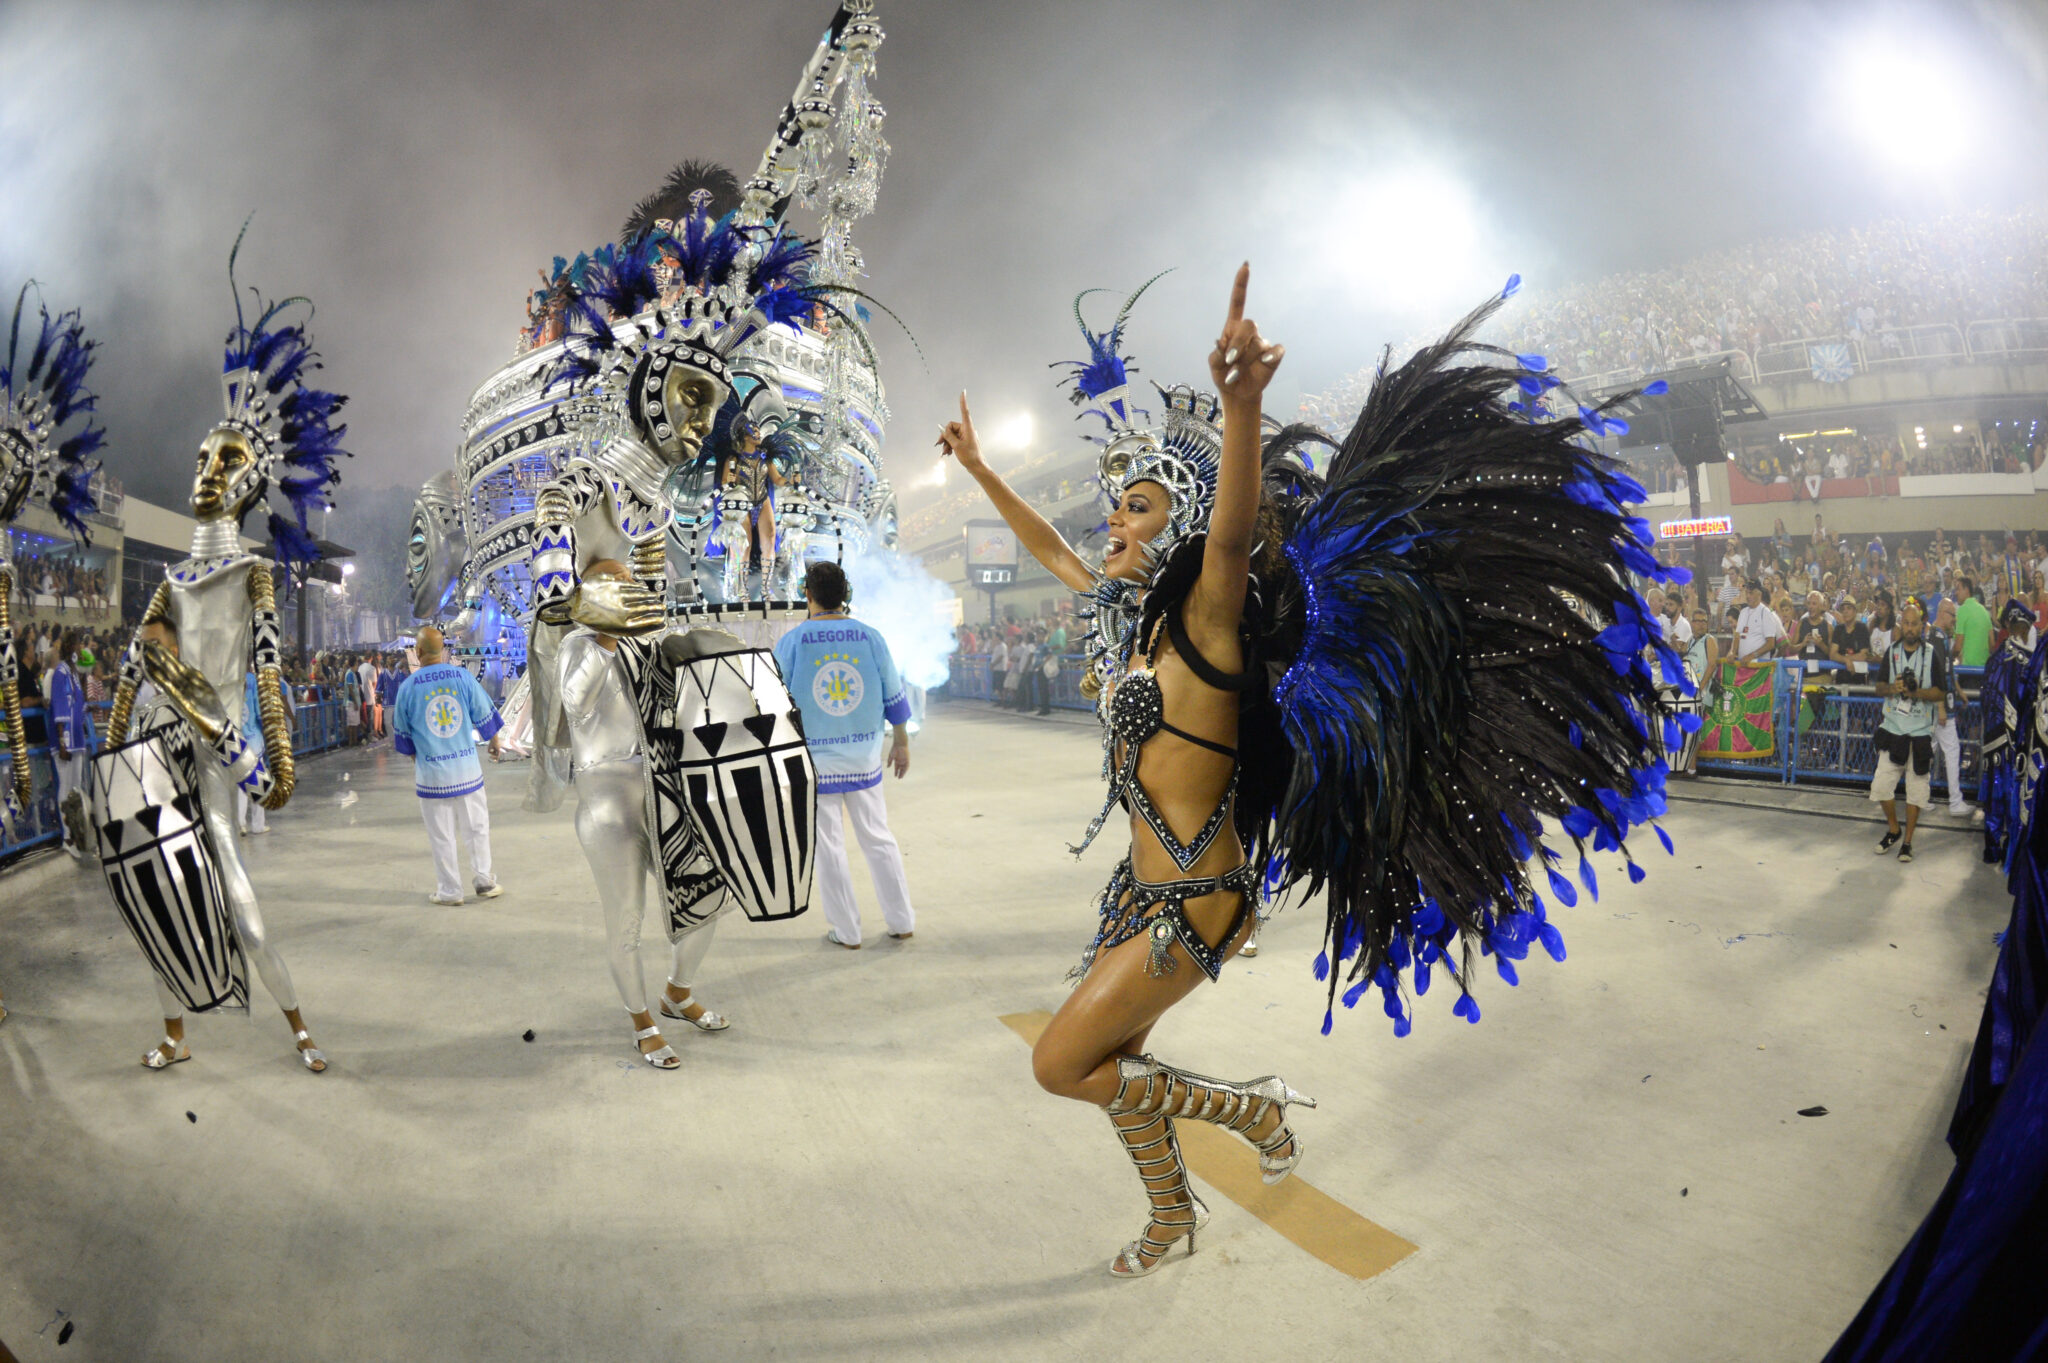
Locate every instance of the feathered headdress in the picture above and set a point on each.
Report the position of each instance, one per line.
(45, 390)
(289, 425)
(736, 282)
(1180, 452)
(675, 200)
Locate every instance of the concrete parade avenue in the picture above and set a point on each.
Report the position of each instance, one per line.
(1611, 1166)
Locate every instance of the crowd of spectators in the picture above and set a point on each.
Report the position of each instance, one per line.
(1827, 598)
(1872, 456)
(64, 581)
(365, 681)
(1025, 659)
(1867, 285)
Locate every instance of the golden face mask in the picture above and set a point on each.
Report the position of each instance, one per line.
(228, 478)
(690, 400)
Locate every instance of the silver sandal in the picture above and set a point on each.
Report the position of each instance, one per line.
(178, 1051)
(705, 1021)
(664, 1058)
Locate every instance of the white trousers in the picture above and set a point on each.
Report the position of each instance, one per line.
(865, 810)
(70, 774)
(1948, 747)
(468, 816)
(253, 816)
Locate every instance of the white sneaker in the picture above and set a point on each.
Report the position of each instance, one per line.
(449, 901)
(490, 891)
(1959, 811)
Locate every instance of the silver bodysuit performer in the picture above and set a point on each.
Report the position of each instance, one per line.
(214, 620)
(609, 760)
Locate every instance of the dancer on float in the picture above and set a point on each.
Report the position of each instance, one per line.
(211, 621)
(43, 387)
(1434, 702)
(609, 761)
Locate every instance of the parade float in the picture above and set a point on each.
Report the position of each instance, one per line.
(472, 541)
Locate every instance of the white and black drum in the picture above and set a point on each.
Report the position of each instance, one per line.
(163, 868)
(748, 784)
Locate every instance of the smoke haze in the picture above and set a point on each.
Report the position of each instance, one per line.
(411, 166)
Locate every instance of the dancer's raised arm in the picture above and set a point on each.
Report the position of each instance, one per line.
(1241, 365)
(957, 439)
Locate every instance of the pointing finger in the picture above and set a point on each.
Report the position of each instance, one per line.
(1237, 292)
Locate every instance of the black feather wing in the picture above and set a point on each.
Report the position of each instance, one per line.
(1464, 658)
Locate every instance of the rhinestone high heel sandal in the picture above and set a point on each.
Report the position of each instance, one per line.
(662, 1058)
(177, 1051)
(1149, 1087)
(1155, 1150)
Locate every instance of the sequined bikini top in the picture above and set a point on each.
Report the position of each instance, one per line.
(1134, 710)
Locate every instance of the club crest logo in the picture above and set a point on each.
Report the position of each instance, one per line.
(444, 716)
(837, 688)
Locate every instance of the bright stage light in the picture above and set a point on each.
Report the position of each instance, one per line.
(1016, 433)
(1908, 102)
(1406, 239)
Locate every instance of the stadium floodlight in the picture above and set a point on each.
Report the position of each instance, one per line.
(1909, 101)
(1408, 238)
(1015, 433)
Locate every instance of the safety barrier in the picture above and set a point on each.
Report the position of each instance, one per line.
(21, 829)
(973, 679)
(1821, 729)
(1820, 726)
(317, 726)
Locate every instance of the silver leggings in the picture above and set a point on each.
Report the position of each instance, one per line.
(217, 801)
(611, 823)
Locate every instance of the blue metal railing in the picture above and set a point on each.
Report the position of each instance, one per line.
(317, 726)
(1821, 726)
(21, 829)
(973, 679)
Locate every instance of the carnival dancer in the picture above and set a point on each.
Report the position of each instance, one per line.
(212, 620)
(439, 714)
(749, 472)
(617, 835)
(1433, 702)
(42, 392)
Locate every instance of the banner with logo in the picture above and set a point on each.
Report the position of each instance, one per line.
(1740, 722)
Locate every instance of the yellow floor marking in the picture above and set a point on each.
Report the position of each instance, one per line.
(1313, 1220)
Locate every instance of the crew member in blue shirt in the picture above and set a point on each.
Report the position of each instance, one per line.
(71, 741)
(843, 680)
(439, 713)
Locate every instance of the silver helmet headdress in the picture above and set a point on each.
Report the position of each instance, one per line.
(43, 385)
(289, 425)
(1179, 451)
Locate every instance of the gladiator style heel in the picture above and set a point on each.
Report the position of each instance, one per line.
(1150, 1088)
(1153, 1148)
